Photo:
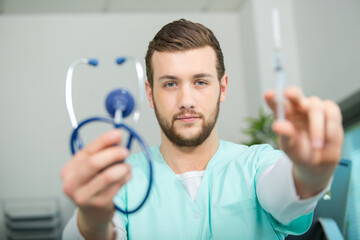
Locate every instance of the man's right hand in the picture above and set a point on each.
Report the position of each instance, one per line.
(92, 178)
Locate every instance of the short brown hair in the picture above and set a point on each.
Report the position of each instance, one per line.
(183, 35)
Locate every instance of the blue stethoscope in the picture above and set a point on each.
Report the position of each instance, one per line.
(119, 104)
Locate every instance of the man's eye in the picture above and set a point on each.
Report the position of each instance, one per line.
(200, 83)
(170, 84)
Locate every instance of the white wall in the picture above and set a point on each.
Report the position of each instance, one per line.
(35, 52)
(258, 48)
(321, 45)
(328, 36)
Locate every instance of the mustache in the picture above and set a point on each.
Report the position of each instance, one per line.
(187, 112)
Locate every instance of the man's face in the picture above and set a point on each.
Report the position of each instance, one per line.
(186, 94)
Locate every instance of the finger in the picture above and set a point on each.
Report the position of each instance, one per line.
(103, 159)
(115, 175)
(270, 99)
(293, 94)
(106, 198)
(107, 195)
(286, 131)
(316, 119)
(82, 172)
(334, 130)
(108, 139)
(284, 128)
(296, 98)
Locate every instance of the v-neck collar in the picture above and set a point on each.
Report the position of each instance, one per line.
(170, 176)
(212, 161)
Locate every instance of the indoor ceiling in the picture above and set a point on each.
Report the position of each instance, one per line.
(93, 6)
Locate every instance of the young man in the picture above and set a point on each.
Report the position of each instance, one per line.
(204, 187)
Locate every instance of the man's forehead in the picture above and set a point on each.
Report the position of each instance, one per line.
(198, 56)
(186, 63)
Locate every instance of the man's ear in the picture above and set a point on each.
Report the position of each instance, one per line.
(223, 87)
(149, 93)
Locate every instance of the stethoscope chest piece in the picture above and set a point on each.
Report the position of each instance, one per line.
(120, 99)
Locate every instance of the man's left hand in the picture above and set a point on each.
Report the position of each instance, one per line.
(311, 135)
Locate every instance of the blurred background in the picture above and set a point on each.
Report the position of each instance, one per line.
(39, 39)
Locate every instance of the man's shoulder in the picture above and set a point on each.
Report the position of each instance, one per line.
(154, 150)
(240, 154)
(228, 146)
(141, 159)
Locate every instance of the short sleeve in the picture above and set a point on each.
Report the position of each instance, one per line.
(266, 157)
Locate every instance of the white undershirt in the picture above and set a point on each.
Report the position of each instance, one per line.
(191, 181)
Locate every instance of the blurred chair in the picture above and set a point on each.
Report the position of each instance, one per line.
(329, 222)
(27, 219)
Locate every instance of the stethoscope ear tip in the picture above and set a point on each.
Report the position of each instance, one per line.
(120, 60)
(93, 61)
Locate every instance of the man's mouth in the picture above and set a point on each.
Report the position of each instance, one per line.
(187, 118)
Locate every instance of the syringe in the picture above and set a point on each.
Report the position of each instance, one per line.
(278, 66)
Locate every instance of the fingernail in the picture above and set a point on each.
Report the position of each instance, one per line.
(277, 123)
(125, 151)
(114, 135)
(317, 143)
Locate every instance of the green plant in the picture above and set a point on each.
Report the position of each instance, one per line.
(259, 130)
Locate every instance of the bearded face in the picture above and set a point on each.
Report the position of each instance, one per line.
(189, 118)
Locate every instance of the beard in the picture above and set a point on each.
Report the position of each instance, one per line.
(180, 140)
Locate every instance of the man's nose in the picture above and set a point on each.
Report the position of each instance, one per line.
(186, 97)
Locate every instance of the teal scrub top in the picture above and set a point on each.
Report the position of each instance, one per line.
(226, 205)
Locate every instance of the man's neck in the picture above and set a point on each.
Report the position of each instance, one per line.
(185, 159)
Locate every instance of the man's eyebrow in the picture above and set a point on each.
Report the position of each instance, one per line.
(203, 75)
(168, 77)
(172, 77)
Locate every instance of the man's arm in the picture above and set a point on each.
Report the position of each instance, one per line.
(91, 179)
(311, 136)
(277, 194)
(71, 230)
